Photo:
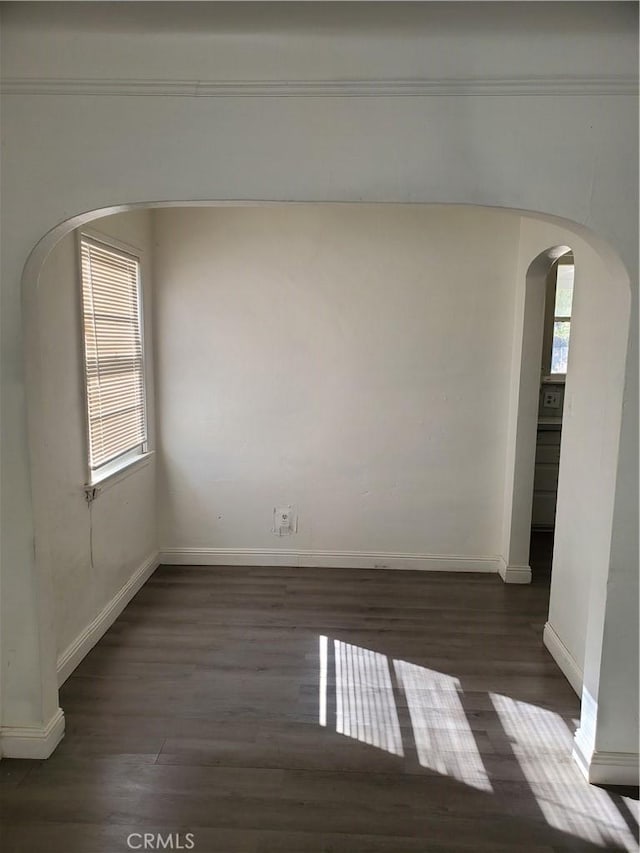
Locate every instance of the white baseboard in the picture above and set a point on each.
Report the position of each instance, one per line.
(608, 768)
(325, 559)
(562, 656)
(84, 642)
(597, 766)
(514, 574)
(614, 768)
(32, 741)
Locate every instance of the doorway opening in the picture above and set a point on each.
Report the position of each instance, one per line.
(604, 313)
(556, 337)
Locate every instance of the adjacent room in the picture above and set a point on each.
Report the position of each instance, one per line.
(325, 389)
(319, 428)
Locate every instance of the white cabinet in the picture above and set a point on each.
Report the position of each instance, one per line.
(545, 483)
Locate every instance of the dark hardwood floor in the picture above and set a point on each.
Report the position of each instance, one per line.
(303, 710)
(541, 556)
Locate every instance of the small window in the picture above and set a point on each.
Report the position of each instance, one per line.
(114, 358)
(558, 320)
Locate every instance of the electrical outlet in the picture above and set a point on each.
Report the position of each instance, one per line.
(551, 399)
(285, 520)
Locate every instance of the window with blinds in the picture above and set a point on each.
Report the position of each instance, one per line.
(113, 347)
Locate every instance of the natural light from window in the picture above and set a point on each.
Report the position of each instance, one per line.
(365, 706)
(113, 356)
(443, 737)
(374, 693)
(538, 737)
(562, 318)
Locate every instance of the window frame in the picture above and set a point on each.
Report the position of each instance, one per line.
(133, 458)
(550, 318)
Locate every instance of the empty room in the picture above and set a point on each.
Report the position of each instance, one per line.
(319, 427)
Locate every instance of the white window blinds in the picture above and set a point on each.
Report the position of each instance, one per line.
(111, 303)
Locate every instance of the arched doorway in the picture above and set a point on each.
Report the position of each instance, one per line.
(525, 368)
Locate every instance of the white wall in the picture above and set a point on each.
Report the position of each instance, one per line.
(591, 632)
(350, 360)
(588, 458)
(588, 453)
(93, 550)
(216, 42)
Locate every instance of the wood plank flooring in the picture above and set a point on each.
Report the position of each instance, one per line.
(281, 710)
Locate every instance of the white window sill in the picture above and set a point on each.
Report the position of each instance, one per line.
(100, 484)
(554, 379)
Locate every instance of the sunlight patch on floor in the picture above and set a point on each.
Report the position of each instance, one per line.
(322, 698)
(443, 737)
(540, 740)
(567, 802)
(365, 706)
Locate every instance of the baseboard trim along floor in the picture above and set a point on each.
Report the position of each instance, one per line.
(327, 559)
(32, 741)
(86, 640)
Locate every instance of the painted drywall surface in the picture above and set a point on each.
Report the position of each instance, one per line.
(361, 41)
(588, 612)
(617, 729)
(587, 463)
(65, 154)
(575, 555)
(349, 360)
(619, 670)
(93, 550)
(522, 417)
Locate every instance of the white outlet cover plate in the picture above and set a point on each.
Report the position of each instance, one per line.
(285, 520)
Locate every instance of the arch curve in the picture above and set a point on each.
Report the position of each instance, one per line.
(542, 239)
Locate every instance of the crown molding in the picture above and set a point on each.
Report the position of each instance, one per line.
(414, 87)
